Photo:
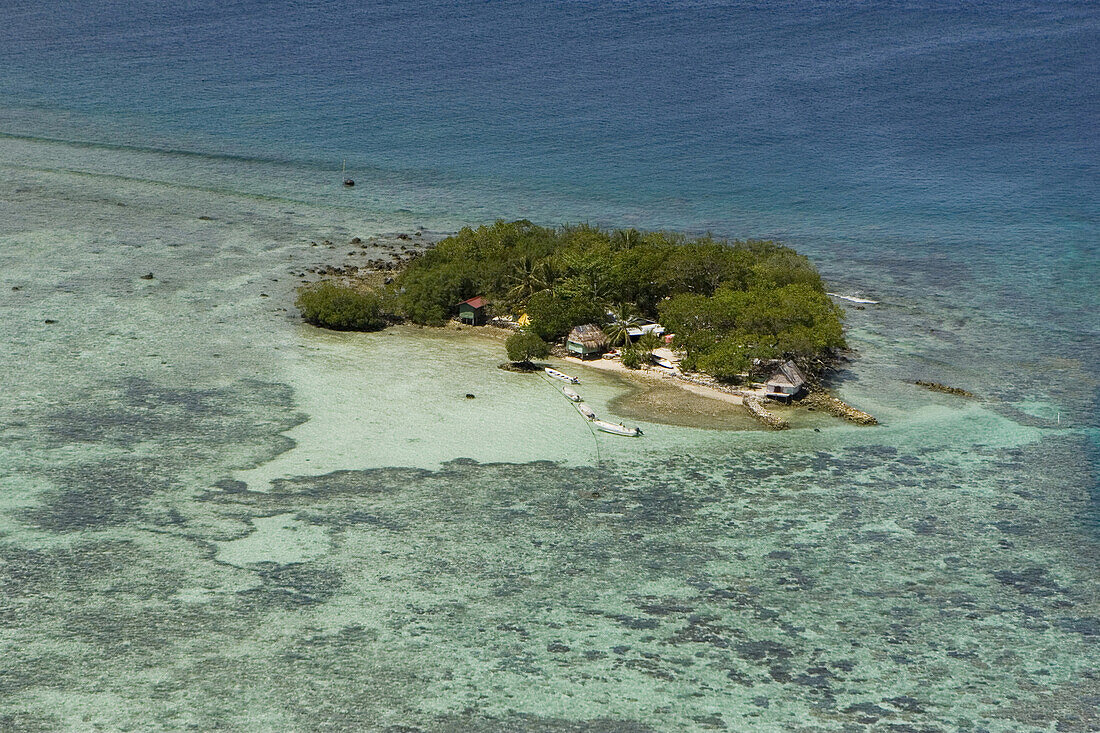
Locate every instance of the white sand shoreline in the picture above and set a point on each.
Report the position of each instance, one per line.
(655, 375)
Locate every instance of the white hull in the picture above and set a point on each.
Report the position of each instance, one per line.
(571, 394)
(586, 410)
(561, 375)
(614, 429)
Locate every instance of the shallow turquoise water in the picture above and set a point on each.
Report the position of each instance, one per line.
(216, 516)
(213, 516)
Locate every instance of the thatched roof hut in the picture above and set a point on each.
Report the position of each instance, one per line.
(586, 340)
(787, 381)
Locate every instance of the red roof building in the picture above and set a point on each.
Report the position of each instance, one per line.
(472, 311)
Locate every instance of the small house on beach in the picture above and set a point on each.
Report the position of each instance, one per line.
(472, 311)
(787, 381)
(587, 340)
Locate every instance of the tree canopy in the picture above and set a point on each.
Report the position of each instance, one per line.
(728, 302)
(340, 307)
(523, 346)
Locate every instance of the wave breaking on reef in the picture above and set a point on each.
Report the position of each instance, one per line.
(852, 298)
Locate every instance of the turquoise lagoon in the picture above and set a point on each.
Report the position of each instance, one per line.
(213, 516)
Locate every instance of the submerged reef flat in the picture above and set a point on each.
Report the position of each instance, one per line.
(897, 588)
(216, 517)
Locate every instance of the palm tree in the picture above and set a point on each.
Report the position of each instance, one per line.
(626, 238)
(547, 276)
(618, 331)
(525, 279)
(587, 278)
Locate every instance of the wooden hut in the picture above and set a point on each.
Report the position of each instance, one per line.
(787, 381)
(472, 311)
(587, 340)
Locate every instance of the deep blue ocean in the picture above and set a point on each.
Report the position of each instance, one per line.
(951, 140)
(167, 171)
(959, 125)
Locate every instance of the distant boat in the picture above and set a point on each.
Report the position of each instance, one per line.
(561, 375)
(616, 429)
(344, 171)
(663, 362)
(571, 394)
(585, 410)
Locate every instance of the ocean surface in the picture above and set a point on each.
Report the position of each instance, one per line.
(215, 517)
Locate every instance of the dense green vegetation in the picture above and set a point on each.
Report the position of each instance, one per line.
(340, 307)
(634, 355)
(722, 333)
(523, 346)
(727, 302)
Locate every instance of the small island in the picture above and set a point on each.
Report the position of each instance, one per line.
(748, 318)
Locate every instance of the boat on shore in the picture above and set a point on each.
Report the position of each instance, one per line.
(561, 375)
(573, 396)
(663, 362)
(585, 410)
(616, 429)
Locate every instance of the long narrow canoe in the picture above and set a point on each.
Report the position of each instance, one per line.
(616, 429)
(586, 410)
(561, 375)
(571, 394)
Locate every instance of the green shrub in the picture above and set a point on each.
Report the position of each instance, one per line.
(340, 307)
(633, 357)
(523, 346)
(650, 341)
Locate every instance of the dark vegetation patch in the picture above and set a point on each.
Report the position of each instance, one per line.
(292, 587)
(81, 568)
(1029, 581)
(761, 650)
(473, 722)
(139, 411)
(30, 722)
(96, 495)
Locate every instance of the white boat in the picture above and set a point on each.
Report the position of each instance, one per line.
(586, 410)
(561, 375)
(571, 394)
(663, 362)
(616, 429)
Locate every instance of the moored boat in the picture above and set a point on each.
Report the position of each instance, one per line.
(571, 394)
(616, 429)
(586, 410)
(561, 375)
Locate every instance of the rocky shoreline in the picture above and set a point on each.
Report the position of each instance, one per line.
(937, 387)
(824, 401)
(756, 408)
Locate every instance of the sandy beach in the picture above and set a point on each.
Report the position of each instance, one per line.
(657, 374)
